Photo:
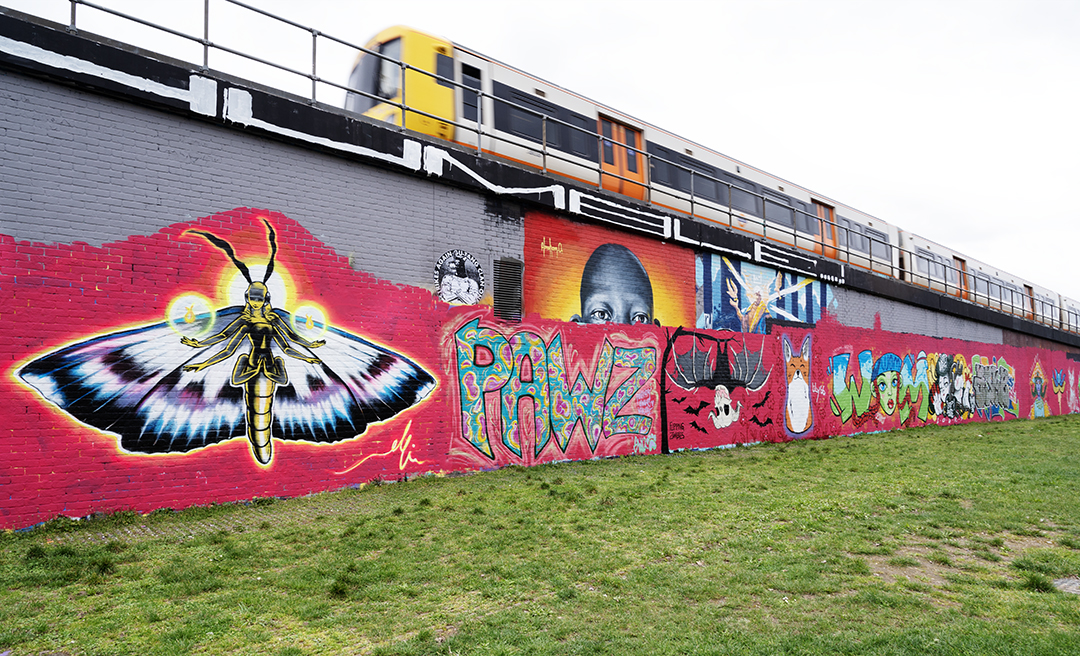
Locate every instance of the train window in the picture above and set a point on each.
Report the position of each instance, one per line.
(778, 213)
(662, 171)
(981, 286)
(704, 187)
(521, 113)
(805, 222)
(745, 201)
(631, 151)
(582, 138)
(389, 69)
(700, 179)
(843, 229)
(375, 76)
(470, 100)
(444, 68)
(609, 149)
(878, 242)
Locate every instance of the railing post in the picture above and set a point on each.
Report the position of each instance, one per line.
(647, 161)
(206, 36)
(692, 196)
(543, 142)
(71, 25)
(480, 120)
(404, 101)
(314, 63)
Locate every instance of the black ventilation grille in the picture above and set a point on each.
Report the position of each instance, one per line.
(507, 292)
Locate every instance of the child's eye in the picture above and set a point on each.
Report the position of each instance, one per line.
(601, 315)
(640, 318)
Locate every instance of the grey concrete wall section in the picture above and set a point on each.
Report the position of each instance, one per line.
(859, 310)
(77, 166)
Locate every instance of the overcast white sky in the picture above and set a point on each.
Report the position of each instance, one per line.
(958, 120)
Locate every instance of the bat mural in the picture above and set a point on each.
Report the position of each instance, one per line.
(698, 361)
(165, 388)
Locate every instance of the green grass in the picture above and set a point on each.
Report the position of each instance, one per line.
(935, 540)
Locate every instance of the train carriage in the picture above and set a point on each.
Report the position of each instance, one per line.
(431, 85)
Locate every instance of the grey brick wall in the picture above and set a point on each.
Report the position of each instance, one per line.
(78, 166)
(860, 310)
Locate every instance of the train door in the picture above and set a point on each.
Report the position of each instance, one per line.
(828, 229)
(1030, 310)
(961, 277)
(622, 167)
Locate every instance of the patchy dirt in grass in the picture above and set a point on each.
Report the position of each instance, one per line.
(933, 564)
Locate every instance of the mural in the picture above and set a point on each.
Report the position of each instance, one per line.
(886, 392)
(798, 414)
(147, 386)
(589, 274)
(715, 389)
(551, 392)
(993, 383)
(1039, 406)
(740, 296)
(236, 356)
(459, 278)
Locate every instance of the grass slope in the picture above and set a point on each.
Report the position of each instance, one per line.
(934, 540)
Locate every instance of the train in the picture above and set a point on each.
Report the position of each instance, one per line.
(430, 85)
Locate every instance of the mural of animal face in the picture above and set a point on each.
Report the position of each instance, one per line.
(798, 415)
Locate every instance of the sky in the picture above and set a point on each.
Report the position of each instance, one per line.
(956, 120)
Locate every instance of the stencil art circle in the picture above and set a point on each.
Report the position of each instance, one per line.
(459, 278)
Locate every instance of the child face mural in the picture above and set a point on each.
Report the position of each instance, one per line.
(615, 288)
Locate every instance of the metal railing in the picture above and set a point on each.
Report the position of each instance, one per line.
(903, 265)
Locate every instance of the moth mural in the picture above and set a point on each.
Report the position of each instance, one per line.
(167, 387)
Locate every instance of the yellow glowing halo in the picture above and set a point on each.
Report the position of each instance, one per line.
(279, 285)
(191, 315)
(309, 321)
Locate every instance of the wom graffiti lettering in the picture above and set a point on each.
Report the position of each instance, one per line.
(528, 383)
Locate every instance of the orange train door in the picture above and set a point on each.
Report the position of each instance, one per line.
(828, 229)
(1030, 310)
(622, 167)
(962, 277)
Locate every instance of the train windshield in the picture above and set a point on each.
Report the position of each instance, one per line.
(376, 76)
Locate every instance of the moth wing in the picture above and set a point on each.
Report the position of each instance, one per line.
(131, 383)
(356, 384)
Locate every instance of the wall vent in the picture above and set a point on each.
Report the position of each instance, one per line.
(507, 293)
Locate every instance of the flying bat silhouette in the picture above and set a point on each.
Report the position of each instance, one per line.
(697, 411)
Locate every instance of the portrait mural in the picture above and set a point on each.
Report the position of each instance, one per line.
(590, 274)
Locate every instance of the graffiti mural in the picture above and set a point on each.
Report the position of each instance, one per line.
(994, 388)
(715, 389)
(739, 296)
(951, 386)
(878, 392)
(147, 386)
(521, 393)
(588, 274)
